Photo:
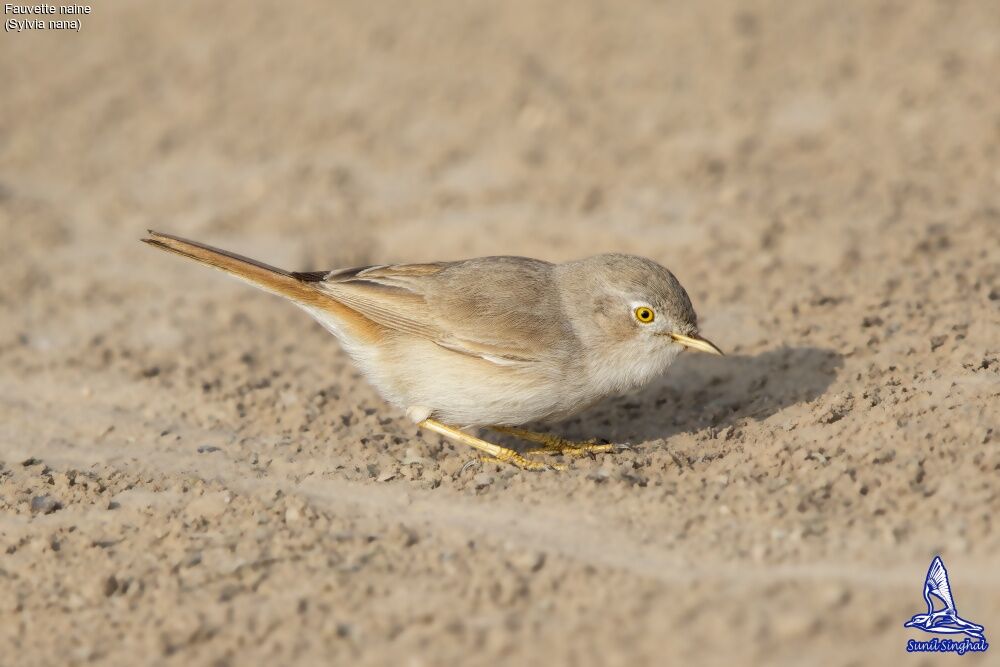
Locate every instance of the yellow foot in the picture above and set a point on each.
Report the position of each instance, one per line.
(521, 462)
(553, 444)
(493, 452)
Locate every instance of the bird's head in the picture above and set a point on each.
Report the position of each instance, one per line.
(631, 313)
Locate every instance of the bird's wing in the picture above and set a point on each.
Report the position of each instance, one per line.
(388, 295)
(487, 307)
(937, 583)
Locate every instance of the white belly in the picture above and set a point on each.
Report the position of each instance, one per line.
(425, 379)
(463, 390)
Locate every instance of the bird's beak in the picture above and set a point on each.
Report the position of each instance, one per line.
(696, 342)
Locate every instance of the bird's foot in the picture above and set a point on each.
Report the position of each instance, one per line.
(494, 453)
(559, 445)
(553, 444)
(521, 462)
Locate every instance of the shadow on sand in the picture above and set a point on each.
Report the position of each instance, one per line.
(700, 391)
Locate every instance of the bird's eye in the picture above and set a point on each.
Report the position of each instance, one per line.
(645, 314)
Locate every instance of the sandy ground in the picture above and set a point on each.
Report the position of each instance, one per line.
(191, 472)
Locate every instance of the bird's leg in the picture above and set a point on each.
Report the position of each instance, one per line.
(553, 444)
(493, 452)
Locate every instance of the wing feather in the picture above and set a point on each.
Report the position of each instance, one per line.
(391, 306)
(486, 308)
(938, 584)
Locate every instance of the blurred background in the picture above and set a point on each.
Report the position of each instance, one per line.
(219, 486)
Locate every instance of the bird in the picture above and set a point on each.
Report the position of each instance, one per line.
(945, 620)
(496, 342)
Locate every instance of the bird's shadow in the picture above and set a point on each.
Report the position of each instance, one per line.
(700, 392)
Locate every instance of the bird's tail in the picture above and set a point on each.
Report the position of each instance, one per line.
(300, 288)
(269, 278)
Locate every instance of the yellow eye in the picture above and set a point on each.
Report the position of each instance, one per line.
(644, 314)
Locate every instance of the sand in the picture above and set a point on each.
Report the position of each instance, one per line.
(192, 472)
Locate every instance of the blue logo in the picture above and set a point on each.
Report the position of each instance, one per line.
(944, 621)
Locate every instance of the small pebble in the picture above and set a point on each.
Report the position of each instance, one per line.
(600, 475)
(412, 456)
(45, 505)
(527, 561)
(110, 586)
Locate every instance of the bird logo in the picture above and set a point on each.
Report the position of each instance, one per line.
(945, 620)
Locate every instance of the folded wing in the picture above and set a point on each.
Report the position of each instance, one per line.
(502, 309)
